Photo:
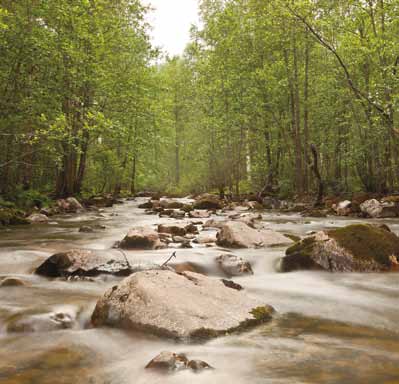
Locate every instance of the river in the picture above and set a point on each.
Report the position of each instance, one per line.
(330, 328)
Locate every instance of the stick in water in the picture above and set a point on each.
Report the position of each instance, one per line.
(167, 261)
(124, 255)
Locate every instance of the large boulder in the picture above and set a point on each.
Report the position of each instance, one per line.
(375, 209)
(236, 234)
(81, 262)
(233, 265)
(208, 201)
(355, 248)
(141, 238)
(186, 305)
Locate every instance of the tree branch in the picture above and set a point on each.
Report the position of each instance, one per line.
(357, 92)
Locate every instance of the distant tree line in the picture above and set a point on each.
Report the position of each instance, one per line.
(87, 105)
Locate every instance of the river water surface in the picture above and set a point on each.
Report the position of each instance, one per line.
(330, 328)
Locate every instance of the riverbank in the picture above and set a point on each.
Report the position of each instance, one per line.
(345, 319)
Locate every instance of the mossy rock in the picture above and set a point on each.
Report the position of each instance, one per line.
(11, 216)
(357, 248)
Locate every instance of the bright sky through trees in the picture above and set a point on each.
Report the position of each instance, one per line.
(171, 21)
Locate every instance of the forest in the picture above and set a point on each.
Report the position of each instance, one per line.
(89, 106)
(228, 214)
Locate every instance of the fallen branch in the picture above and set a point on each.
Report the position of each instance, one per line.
(127, 261)
(173, 256)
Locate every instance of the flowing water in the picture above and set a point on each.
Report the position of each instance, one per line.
(330, 328)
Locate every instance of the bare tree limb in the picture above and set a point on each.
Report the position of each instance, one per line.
(318, 36)
(167, 261)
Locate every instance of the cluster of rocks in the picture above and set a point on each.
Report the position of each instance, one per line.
(70, 205)
(181, 302)
(172, 362)
(365, 207)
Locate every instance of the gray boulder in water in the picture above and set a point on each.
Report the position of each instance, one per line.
(186, 305)
(141, 238)
(233, 265)
(355, 248)
(236, 234)
(81, 262)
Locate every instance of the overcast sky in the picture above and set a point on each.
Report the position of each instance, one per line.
(171, 21)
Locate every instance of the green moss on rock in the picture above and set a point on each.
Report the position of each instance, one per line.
(359, 247)
(367, 242)
(11, 216)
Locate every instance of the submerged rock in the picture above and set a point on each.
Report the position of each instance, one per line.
(355, 248)
(86, 229)
(236, 234)
(141, 238)
(233, 265)
(42, 322)
(12, 282)
(172, 362)
(186, 305)
(168, 361)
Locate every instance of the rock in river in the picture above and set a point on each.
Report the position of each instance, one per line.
(12, 282)
(179, 229)
(186, 305)
(355, 248)
(233, 265)
(38, 218)
(81, 262)
(141, 238)
(236, 234)
(208, 201)
(42, 322)
(169, 362)
(373, 208)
